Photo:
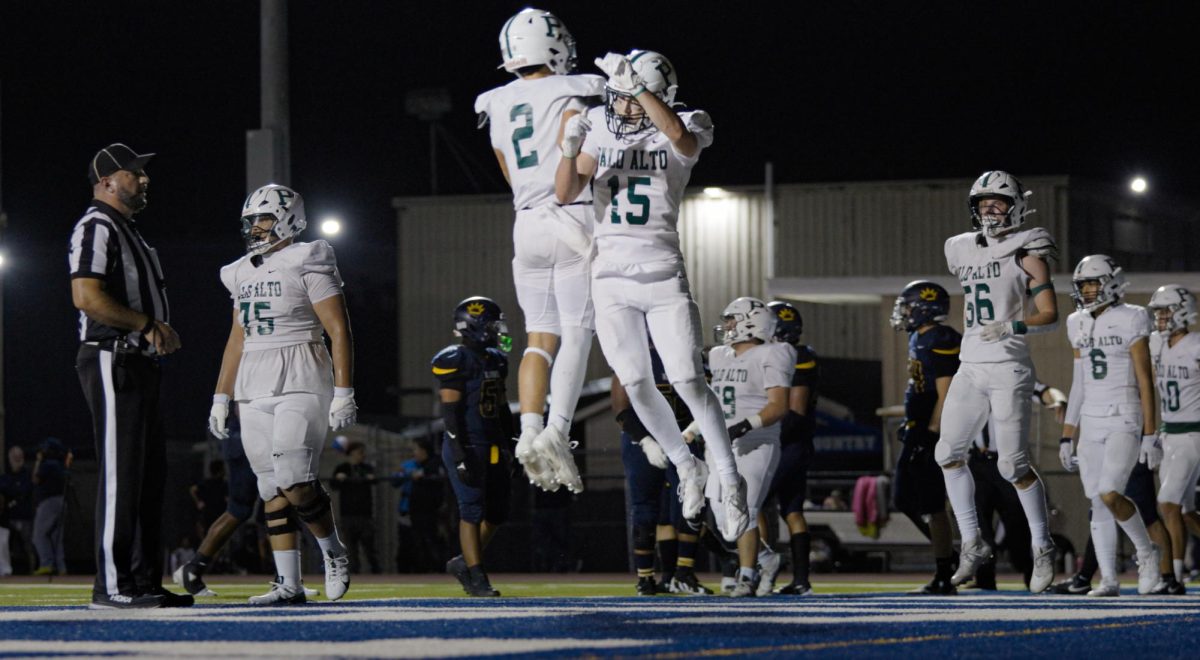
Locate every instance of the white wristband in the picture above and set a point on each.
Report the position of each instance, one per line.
(221, 397)
(755, 421)
(343, 392)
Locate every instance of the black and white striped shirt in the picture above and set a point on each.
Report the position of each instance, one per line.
(107, 246)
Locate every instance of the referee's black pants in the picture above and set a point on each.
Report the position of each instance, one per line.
(122, 390)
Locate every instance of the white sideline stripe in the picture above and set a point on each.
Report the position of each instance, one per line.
(110, 471)
(948, 616)
(421, 647)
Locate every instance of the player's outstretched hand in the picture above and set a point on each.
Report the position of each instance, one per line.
(1067, 457)
(573, 134)
(1152, 451)
(621, 76)
(218, 416)
(654, 453)
(342, 412)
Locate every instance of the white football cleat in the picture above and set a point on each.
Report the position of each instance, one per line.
(737, 514)
(337, 575)
(769, 562)
(743, 588)
(693, 477)
(1105, 590)
(539, 475)
(1147, 570)
(554, 450)
(971, 556)
(1043, 569)
(280, 594)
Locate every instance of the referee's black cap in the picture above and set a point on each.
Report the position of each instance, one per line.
(115, 157)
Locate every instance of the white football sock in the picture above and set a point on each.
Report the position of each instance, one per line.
(960, 489)
(566, 376)
(332, 544)
(659, 419)
(1177, 564)
(748, 573)
(1104, 539)
(287, 566)
(531, 421)
(702, 401)
(1033, 501)
(1135, 529)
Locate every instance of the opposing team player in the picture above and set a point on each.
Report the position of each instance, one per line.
(752, 375)
(1001, 267)
(1112, 406)
(640, 167)
(479, 425)
(1175, 355)
(790, 483)
(288, 389)
(648, 475)
(919, 490)
(552, 240)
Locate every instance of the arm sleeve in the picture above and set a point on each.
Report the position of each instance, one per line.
(1075, 400)
(89, 250)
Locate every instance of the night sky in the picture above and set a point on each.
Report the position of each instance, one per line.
(827, 91)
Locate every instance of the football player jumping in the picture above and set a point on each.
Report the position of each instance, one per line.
(1111, 405)
(1175, 354)
(479, 425)
(1000, 267)
(288, 389)
(640, 167)
(752, 376)
(919, 490)
(552, 240)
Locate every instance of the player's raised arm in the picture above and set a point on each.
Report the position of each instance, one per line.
(575, 168)
(651, 95)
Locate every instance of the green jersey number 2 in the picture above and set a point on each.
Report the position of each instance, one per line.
(525, 112)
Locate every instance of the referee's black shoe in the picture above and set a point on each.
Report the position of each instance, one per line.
(125, 602)
(170, 599)
(1075, 586)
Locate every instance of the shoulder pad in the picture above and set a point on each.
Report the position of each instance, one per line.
(229, 276)
(448, 361)
(315, 257)
(585, 84)
(697, 120)
(806, 357)
(1039, 243)
(946, 340)
(482, 101)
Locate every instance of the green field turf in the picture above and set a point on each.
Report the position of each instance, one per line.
(236, 593)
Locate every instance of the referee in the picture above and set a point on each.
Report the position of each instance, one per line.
(117, 285)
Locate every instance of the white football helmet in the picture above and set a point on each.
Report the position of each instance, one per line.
(1179, 302)
(1098, 268)
(745, 319)
(535, 37)
(658, 75)
(279, 202)
(999, 184)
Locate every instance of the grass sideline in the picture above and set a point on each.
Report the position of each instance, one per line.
(235, 590)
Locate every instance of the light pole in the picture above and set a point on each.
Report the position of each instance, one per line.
(429, 105)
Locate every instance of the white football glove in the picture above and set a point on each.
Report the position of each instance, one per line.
(1067, 457)
(342, 412)
(1152, 452)
(996, 331)
(218, 416)
(654, 453)
(573, 134)
(621, 76)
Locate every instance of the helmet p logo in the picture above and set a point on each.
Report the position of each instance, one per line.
(285, 196)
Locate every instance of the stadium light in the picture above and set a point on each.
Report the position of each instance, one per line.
(1, 260)
(1138, 185)
(715, 193)
(331, 226)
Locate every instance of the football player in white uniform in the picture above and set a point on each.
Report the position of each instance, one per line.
(1175, 354)
(1001, 267)
(640, 167)
(1112, 406)
(289, 390)
(752, 377)
(552, 240)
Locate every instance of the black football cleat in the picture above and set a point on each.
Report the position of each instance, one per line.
(646, 586)
(1169, 587)
(936, 587)
(170, 599)
(1075, 586)
(795, 589)
(458, 568)
(479, 586)
(125, 602)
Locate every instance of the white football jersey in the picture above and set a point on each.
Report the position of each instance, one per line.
(638, 186)
(1103, 343)
(284, 349)
(1177, 372)
(741, 381)
(995, 289)
(525, 116)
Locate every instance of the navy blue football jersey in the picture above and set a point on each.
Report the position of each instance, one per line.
(807, 374)
(931, 355)
(480, 377)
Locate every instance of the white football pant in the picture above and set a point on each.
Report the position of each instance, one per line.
(1001, 390)
(553, 279)
(1110, 438)
(757, 455)
(1180, 469)
(283, 436)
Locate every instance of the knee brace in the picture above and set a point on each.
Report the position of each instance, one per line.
(288, 526)
(1014, 466)
(315, 506)
(542, 352)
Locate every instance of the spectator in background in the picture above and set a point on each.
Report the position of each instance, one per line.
(17, 489)
(422, 484)
(835, 501)
(210, 497)
(49, 485)
(355, 479)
